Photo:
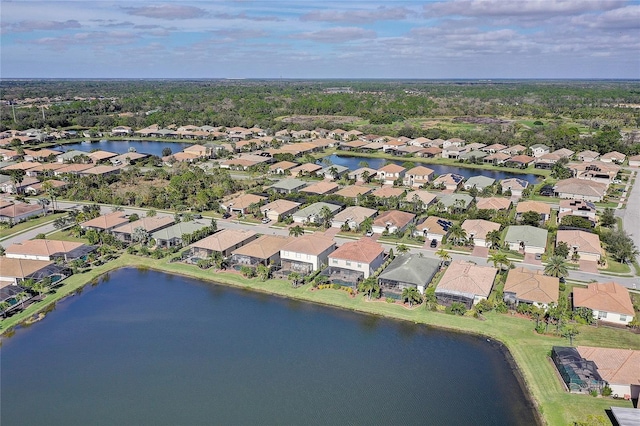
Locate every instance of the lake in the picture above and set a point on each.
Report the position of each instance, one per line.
(121, 147)
(375, 163)
(143, 347)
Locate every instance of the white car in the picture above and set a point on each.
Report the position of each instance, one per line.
(369, 234)
(266, 220)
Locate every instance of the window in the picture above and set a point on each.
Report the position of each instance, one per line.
(348, 263)
(359, 265)
(602, 315)
(334, 261)
(623, 318)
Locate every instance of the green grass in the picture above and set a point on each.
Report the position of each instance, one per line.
(31, 223)
(66, 236)
(529, 349)
(615, 267)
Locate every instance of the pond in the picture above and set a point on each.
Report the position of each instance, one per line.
(122, 147)
(143, 347)
(353, 163)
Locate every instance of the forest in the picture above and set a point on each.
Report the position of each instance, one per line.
(575, 114)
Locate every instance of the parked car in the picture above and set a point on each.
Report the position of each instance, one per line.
(266, 220)
(226, 216)
(434, 243)
(538, 256)
(369, 234)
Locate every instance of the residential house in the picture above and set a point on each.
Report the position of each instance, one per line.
(479, 182)
(126, 231)
(262, 251)
(596, 171)
(321, 188)
(363, 174)
(514, 150)
(281, 167)
(532, 287)
(333, 172)
(223, 242)
(392, 221)
(99, 155)
(306, 169)
(127, 158)
(354, 192)
(171, 236)
(72, 155)
(588, 156)
(613, 157)
(585, 209)
(19, 212)
(100, 171)
(619, 368)
(15, 271)
(37, 188)
(288, 186)
(497, 158)
(493, 203)
(433, 228)
(279, 209)
(564, 152)
(387, 192)
(515, 185)
(453, 151)
(459, 202)
(352, 217)
(105, 223)
(355, 261)
(390, 173)
(475, 146)
(418, 176)
(448, 181)
(538, 150)
(547, 161)
(242, 203)
(580, 189)
(609, 302)
(582, 243)
(520, 161)
(311, 214)
(307, 253)
(40, 155)
(466, 283)
(420, 200)
(478, 229)
(543, 209)
(526, 238)
(18, 188)
(407, 271)
(48, 250)
(473, 156)
(492, 149)
(634, 161)
(430, 152)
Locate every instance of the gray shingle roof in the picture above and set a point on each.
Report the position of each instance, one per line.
(411, 269)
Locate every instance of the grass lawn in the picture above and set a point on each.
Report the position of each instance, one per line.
(529, 349)
(66, 236)
(616, 267)
(31, 223)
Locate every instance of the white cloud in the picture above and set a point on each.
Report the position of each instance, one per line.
(381, 13)
(337, 35)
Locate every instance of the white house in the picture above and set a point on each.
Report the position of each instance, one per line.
(609, 302)
(362, 256)
(307, 253)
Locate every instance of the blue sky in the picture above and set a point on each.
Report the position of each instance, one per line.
(304, 39)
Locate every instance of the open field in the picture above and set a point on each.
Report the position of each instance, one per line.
(529, 349)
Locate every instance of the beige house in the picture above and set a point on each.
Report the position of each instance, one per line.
(392, 221)
(390, 173)
(106, 222)
(306, 169)
(613, 157)
(352, 216)
(433, 228)
(321, 188)
(477, 230)
(14, 270)
(363, 174)
(423, 198)
(609, 302)
(223, 242)
(634, 161)
(19, 212)
(360, 258)
(532, 287)
(618, 367)
(580, 189)
(418, 176)
(47, 250)
(588, 156)
(264, 250)
(597, 171)
(449, 181)
(150, 224)
(307, 253)
(543, 209)
(465, 282)
(282, 167)
(585, 244)
(515, 185)
(279, 209)
(493, 203)
(579, 208)
(354, 192)
(241, 204)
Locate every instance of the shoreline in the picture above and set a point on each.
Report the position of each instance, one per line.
(527, 350)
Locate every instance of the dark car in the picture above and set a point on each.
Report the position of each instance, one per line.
(547, 191)
(226, 216)
(434, 243)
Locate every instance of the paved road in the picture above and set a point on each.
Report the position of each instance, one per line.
(631, 214)
(629, 282)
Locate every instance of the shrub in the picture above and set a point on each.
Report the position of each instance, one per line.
(456, 308)
(523, 308)
(563, 287)
(593, 393)
(606, 390)
(336, 286)
(390, 300)
(540, 328)
(501, 307)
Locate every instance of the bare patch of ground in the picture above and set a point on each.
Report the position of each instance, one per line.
(336, 119)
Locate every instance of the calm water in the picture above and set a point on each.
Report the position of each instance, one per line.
(121, 147)
(375, 163)
(148, 348)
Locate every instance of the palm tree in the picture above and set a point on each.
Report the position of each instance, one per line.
(17, 176)
(369, 286)
(500, 259)
(20, 297)
(457, 234)
(443, 255)
(294, 277)
(51, 191)
(493, 238)
(333, 172)
(402, 248)
(263, 272)
(140, 235)
(4, 305)
(411, 228)
(570, 331)
(367, 224)
(411, 295)
(325, 216)
(44, 202)
(296, 231)
(556, 267)
(365, 176)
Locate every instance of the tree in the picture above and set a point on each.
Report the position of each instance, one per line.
(4, 305)
(294, 277)
(20, 298)
(457, 234)
(430, 299)
(619, 245)
(531, 218)
(17, 176)
(133, 217)
(166, 152)
(325, 216)
(151, 213)
(556, 267)
(402, 248)
(570, 331)
(367, 224)
(140, 235)
(296, 231)
(369, 286)
(411, 295)
(443, 255)
(2, 250)
(44, 202)
(608, 218)
(263, 272)
(562, 249)
(365, 176)
(500, 260)
(493, 237)
(214, 224)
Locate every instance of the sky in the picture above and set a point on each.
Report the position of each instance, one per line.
(476, 39)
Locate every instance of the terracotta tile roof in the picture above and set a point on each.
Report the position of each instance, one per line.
(101, 155)
(468, 278)
(353, 191)
(322, 187)
(24, 165)
(243, 201)
(280, 206)
(425, 196)
(42, 247)
(100, 170)
(264, 247)
(395, 218)
(150, 224)
(585, 241)
(493, 203)
(19, 209)
(21, 268)
(392, 168)
(388, 191)
(313, 244)
(609, 297)
(307, 167)
(354, 213)
(363, 250)
(533, 206)
(532, 286)
(284, 165)
(514, 183)
(523, 159)
(614, 155)
(479, 228)
(106, 221)
(73, 168)
(432, 226)
(225, 239)
(420, 171)
(575, 186)
(47, 166)
(616, 366)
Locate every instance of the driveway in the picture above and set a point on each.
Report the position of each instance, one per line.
(589, 266)
(530, 259)
(480, 251)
